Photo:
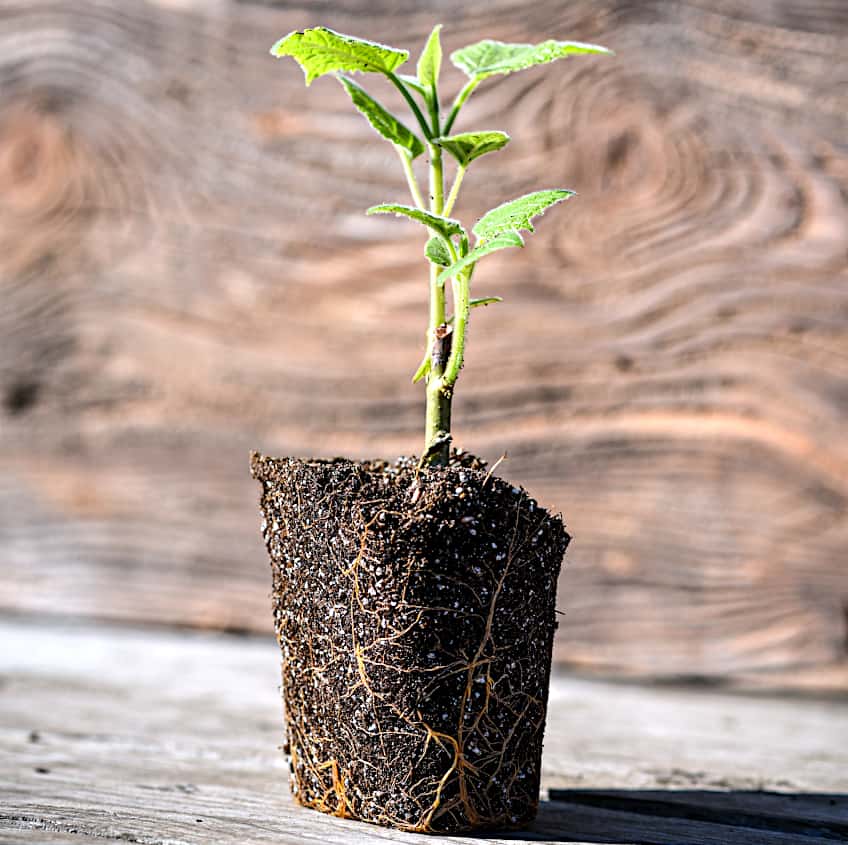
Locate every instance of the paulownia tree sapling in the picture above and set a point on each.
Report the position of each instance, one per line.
(451, 255)
(416, 610)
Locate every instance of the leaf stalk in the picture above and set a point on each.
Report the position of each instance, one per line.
(398, 83)
(459, 102)
(414, 190)
(454, 191)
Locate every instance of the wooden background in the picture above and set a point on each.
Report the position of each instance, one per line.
(186, 274)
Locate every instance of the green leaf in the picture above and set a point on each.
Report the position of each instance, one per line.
(444, 226)
(485, 300)
(486, 58)
(431, 61)
(504, 240)
(321, 50)
(423, 369)
(474, 303)
(467, 146)
(518, 214)
(383, 121)
(437, 251)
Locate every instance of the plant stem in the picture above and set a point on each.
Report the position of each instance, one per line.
(438, 420)
(440, 384)
(437, 180)
(458, 103)
(406, 163)
(437, 302)
(438, 411)
(398, 83)
(434, 111)
(454, 191)
(461, 310)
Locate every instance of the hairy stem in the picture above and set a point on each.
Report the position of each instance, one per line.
(437, 181)
(454, 191)
(458, 103)
(437, 303)
(461, 310)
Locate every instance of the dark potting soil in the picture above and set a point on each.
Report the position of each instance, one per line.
(415, 613)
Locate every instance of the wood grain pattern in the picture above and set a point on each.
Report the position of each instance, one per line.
(187, 274)
(167, 738)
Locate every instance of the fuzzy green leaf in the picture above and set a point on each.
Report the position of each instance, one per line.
(437, 251)
(467, 146)
(484, 300)
(321, 50)
(430, 62)
(383, 121)
(487, 57)
(518, 214)
(473, 303)
(504, 240)
(423, 369)
(444, 226)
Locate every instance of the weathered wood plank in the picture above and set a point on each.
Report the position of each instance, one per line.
(121, 735)
(186, 274)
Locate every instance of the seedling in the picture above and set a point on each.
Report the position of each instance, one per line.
(448, 250)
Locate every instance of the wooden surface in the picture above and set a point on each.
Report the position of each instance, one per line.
(186, 273)
(126, 735)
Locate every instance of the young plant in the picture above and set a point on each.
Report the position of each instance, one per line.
(451, 256)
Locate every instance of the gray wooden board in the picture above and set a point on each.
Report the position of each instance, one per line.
(115, 734)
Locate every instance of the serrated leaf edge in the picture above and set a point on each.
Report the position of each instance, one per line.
(310, 78)
(484, 72)
(566, 195)
(452, 227)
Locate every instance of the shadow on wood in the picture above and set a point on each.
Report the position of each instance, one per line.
(693, 817)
